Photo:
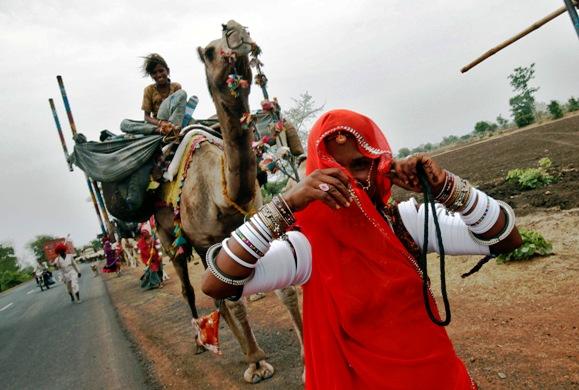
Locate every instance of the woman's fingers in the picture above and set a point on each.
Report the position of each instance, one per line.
(337, 189)
(326, 197)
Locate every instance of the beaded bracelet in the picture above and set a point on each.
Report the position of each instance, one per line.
(211, 257)
(447, 189)
(490, 219)
(246, 244)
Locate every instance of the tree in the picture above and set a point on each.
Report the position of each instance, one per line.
(37, 246)
(502, 122)
(555, 109)
(404, 152)
(572, 104)
(523, 103)
(96, 244)
(451, 139)
(10, 273)
(483, 127)
(302, 112)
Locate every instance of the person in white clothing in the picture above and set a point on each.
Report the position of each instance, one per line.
(69, 270)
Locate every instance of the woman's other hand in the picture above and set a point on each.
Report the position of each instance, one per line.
(328, 185)
(404, 174)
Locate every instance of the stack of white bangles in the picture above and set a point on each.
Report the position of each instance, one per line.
(280, 262)
(288, 261)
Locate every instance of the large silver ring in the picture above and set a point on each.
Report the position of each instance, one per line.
(324, 187)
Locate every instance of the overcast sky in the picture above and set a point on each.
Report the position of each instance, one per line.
(396, 61)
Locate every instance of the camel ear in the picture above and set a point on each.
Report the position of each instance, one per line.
(200, 53)
(224, 27)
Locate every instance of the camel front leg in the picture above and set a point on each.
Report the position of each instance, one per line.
(289, 297)
(258, 369)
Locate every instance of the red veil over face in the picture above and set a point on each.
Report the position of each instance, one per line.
(365, 325)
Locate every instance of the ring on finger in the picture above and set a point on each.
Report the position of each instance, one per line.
(324, 187)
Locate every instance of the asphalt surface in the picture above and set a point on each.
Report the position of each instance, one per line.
(48, 342)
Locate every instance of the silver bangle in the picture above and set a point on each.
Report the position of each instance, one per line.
(211, 257)
(509, 226)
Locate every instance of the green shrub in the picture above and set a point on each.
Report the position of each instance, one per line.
(531, 178)
(572, 104)
(534, 244)
(545, 163)
(555, 109)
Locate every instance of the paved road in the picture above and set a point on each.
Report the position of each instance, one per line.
(47, 342)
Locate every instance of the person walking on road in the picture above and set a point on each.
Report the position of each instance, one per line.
(69, 270)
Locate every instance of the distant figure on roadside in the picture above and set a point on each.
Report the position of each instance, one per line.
(42, 275)
(95, 269)
(153, 276)
(69, 270)
(163, 102)
(128, 245)
(113, 264)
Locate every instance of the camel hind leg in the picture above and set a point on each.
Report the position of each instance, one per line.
(164, 219)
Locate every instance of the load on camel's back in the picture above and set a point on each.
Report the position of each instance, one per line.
(201, 180)
(130, 167)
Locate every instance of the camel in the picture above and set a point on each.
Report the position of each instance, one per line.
(213, 195)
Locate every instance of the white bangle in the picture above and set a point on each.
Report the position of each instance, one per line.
(476, 216)
(489, 220)
(509, 226)
(211, 261)
(262, 227)
(236, 258)
(247, 230)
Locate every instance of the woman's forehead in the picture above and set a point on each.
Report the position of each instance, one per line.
(343, 152)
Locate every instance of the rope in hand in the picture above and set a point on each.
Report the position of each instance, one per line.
(422, 261)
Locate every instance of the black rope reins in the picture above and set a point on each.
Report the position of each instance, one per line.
(422, 261)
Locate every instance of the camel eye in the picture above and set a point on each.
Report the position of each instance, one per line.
(210, 53)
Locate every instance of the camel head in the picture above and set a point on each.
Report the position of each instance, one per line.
(229, 56)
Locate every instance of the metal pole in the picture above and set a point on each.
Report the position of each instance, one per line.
(573, 15)
(59, 128)
(110, 228)
(62, 141)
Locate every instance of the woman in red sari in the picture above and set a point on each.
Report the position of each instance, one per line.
(365, 323)
(152, 277)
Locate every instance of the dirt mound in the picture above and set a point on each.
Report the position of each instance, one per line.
(486, 164)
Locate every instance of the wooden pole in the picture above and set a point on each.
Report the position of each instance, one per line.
(96, 207)
(59, 128)
(506, 43)
(96, 189)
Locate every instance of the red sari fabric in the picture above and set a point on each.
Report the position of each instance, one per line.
(148, 252)
(365, 324)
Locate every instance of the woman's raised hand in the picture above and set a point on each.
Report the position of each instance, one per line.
(403, 173)
(328, 185)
